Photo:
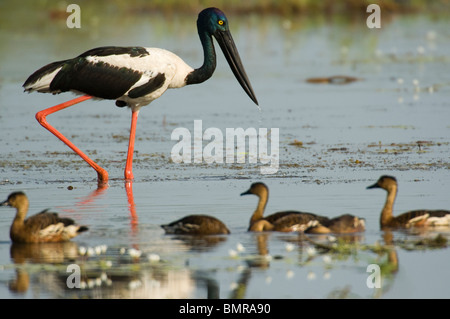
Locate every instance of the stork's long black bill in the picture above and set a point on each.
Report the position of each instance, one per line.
(231, 53)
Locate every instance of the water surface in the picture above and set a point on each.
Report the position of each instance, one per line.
(394, 121)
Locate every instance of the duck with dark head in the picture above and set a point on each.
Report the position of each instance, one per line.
(285, 221)
(414, 218)
(44, 227)
(196, 225)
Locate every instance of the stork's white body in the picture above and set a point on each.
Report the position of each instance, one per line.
(155, 62)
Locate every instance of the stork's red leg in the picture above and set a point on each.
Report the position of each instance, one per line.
(131, 204)
(129, 164)
(41, 117)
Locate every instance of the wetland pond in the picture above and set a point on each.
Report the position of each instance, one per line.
(334, 141)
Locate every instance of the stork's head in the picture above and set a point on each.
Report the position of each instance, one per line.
(215, 23)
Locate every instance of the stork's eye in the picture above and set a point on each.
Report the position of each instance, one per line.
(220, 22)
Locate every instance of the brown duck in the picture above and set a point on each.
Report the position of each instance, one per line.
(44, 227)
(285, 221)
(344, 224)
(197, 225)
(415, 218)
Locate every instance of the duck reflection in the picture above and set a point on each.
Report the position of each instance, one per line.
(200, 243)
(149, 284)
(203, 278)
(387, 260)
(329, 250)
(148, 280)
(316, 238)
(40, 253)
(388, 238)
(44, 252)
(21, 283)
(241, 288)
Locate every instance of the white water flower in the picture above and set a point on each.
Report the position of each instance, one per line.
(90, 251)
(289, 247)
(135, 253)
(82, 250)
(240, 247)
(153, 258)
(327, 259)
(311, 275)
(331, 238)
(233, 286)
(233, 253)
(289, 274)
(98, 250)
(311, 251)
(91, 283)
(134, 284)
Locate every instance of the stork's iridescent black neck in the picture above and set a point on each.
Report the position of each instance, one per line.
(208, 67)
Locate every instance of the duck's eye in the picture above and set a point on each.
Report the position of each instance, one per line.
(220, 22)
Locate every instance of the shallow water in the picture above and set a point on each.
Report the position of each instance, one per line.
(394, 121)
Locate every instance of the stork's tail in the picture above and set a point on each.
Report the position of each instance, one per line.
(41, 80)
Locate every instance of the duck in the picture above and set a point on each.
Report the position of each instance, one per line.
(414, 218)
(343, 224)
(285, 221)
(44, 227)
(197, 225)
(293, 222)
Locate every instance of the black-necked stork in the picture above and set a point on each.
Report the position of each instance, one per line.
(134, 77)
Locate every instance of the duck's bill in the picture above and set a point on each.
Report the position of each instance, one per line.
(373, 186)
(231, 53)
